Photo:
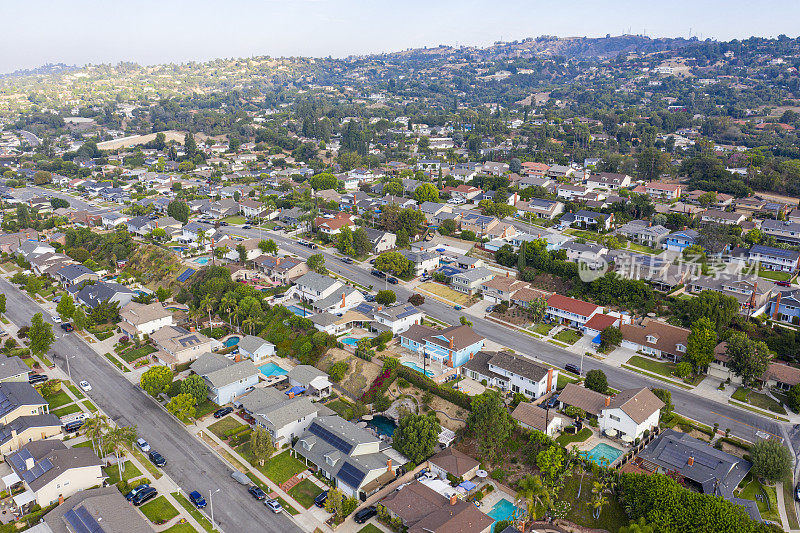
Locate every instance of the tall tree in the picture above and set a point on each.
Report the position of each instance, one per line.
(535, 494)
(701, 343)
(156, 380)
(490, 422)
(268, 246)
(771, 460)
(748, 358)
(179, 210)
(40, 334)
(316, 263)
(426, 192)
(261, 446)
(66, 307)
(416, 436)
(361, 243)
(196, 387)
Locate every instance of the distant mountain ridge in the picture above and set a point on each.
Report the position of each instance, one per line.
(50, 68)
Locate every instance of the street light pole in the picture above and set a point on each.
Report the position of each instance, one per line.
(211, 503)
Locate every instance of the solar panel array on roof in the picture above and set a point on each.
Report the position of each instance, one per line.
(351, 475)
(409, 310)
(37, 471)
(5, 403)
(18, 459)
(335, 441)
(189, 341)
(186, 274)
(673, 457)
(81, 521)
(364, 308)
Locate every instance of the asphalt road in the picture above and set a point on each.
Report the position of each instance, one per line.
(741, 423)
(189, 463)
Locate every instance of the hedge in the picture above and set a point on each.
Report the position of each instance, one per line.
(427, 384)
(235, 431)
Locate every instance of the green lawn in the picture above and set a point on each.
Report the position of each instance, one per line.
(651, 365)
(773, 275)
(564, 380)
(228, 423)
(180, 528)
(153, 469)
(644, 249)
(159, 510)
(369, 528)
(194, 511)
(204, 408)
(116, 362)
(58, 399)
(280, 468)
(769, 511)
(235, 219)
(569, 336)
(612, 516)
(132, 355)
(756, 399)
(90, 406)
(565, 439)
(583, 234)
(542, 329)
(68, 410)
(305, 492)
(129, 471)
(342, 408)
(75, 391)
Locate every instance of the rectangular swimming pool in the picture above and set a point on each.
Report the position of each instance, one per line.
(299, 311)
(603, 454)
(415, 366)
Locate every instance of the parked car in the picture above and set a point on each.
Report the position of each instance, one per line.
(136, 490)
(197, 499)
(365, 514)
(457, 307)
(223, 223)
(147, 494)
(219, 413)
(372, 261)
(277, 228)
(56, 319)
(247, 226)
(347, 260)
(392, 281)
(256, 492)
(552, 401)
(241, 478)
(274, 506)
(143, 445)
(84, 385)
(377, 273)
(369, 297)
(490, 309)
(572, 367)
(784, 283)
(37, 378)
(73, 427)
(66, 326)
(797, 492)
(319, 501)
(157, 458)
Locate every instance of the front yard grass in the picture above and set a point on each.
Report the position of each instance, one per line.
(186, 527)
(280, 468)
(129, 471)
(767, 503)
(543, 328)
(756, 399)
(159, 510)
(369, 528)
(305, 492)
(774, 275)
(569, 336)
(68, 410)
(58, 399)
(445, 292)
(235, 219)
(564, 380)
(75, 391)
(204, 408)
(136, 353)
(194, 511)
(565, 439)
(225, 424)
(153, 469)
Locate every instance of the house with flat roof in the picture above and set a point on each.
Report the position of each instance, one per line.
(48, 471)
(284, 418)
(144, 319)
(349, 456)
(451, 346)
(509, 372)
(226, 379)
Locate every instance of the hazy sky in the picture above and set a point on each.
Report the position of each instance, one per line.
(85, 31)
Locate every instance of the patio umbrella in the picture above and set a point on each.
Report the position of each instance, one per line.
(481, 473)
(611, 432)
(467, 485)
(627, 438)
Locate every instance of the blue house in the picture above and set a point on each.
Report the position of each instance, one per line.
(785, 307)
(679, 240)
(451, 346)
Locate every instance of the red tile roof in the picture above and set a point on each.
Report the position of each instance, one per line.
(601, 321)
(564, 303)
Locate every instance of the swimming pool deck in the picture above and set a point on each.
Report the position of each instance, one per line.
(596, 439)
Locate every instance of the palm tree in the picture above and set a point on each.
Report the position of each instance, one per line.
(250, 321)
(194, 313)
(227, 303)
(207, 303)
(120, 438)
(95, 429)
(535, 494)
(599, 499)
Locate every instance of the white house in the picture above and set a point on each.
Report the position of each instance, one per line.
(327, 294)
(530, 416)
(144, 319)
(255, 348)
(511, 373)
(631, 413)
(226, 379)
(398, 318)
(315, 381)
(282, 417)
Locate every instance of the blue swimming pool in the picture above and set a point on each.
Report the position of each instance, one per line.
(350, 341)
(415, 366)
(502, 510)
(383, 425)
(201, 260)
(602, 453)
(299, 311)
(271, 369)
(231, 341)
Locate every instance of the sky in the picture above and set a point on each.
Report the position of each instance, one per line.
(80, 32)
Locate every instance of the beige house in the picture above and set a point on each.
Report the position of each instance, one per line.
(51, 472)
(179, 345)
(144, 319)
(27, 429)
(532, 416)
(20, 399)
(453, 462)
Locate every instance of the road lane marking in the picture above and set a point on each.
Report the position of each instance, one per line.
(741, 422)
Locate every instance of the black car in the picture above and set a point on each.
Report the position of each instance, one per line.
(552, 402)
(347, 260)
(147, 494)
(246, 226)
(219, 413)
(37, 378)
(197, 499)
(369, 297)
(797, 492)
(319, 501)
(66, 326)
(257, 493)
(365, 514)
(378, 274)
(73, 427)
(392, 281)
(223, 223)
(570, 367)
(136, 490)
(277, 228)
(157, 458)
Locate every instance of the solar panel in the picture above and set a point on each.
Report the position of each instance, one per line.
(82, 521)
(335, 441)
(186, 274)
(351, 475)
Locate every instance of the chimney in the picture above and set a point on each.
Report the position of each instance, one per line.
(388, 465)
(453, 499)
(753, 296)
(690, 462)
(608, 401)
(343, 300)
(60, 499)
(191, 328)
(777, 306)
(30, 462)
(452, 342)
(549, 379)
(238, 357)
(450, 359)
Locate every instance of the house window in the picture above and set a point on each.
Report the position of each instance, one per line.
(614, 418)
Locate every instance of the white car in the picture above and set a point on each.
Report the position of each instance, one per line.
(56, 319)
(84, 385)
(143, 445)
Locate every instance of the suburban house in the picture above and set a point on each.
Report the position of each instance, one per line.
(382, 241)
(539, 208)
(27, 429)
(92, 295)
(771, 258)
(591, 254)
(255, 348)
(629, 413)
(643, 232)
(657, 338)
(678, 240)
(327, 294)
(283, 418)
(470, 281)
(463, 192)
(451, 346)
(511, 373)
(251, 249)
(453, 462)
(722, 217)
(432, 506)
(752, 293)
(12, 368)
(179, 345)
(530, 416)
(312, 381)
(658, 190)
(336, 324)
(783, 231)
(567, 191)
(102, 509)
(332, 225)
(49, 472)
(18, 399)
(397, 318)
(281, 270)
(501, 288)
(608, 180)
(225, 379)
(585, 219)
(785, 307)
(143, 319)
(570, 311)
(347, 455)
(74, 274)
(777, 375)
(423, 261)
(479, 224)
